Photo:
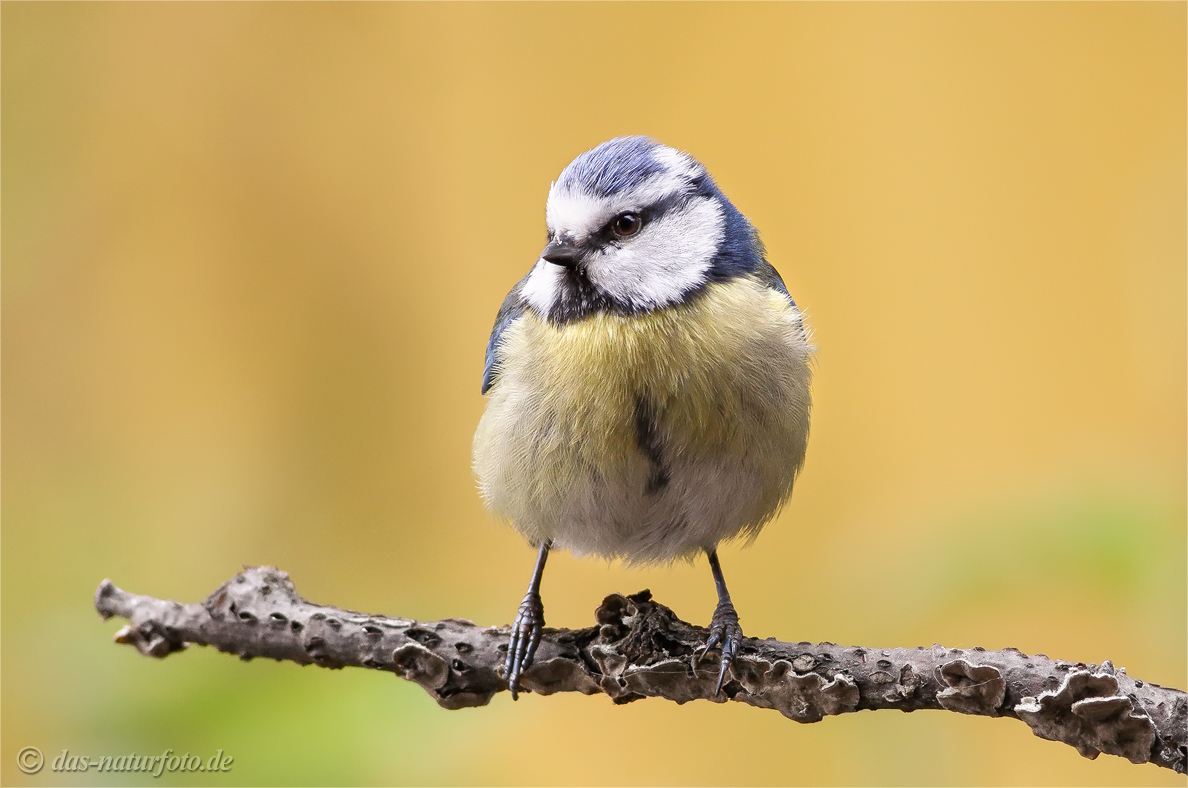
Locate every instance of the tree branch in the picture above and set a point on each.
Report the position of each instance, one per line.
(639, 648)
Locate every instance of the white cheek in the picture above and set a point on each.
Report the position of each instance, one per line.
(543, 287)
(670, 257)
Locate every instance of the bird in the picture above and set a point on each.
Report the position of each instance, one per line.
(647, 381)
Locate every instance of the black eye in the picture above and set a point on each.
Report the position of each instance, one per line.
(626, 225)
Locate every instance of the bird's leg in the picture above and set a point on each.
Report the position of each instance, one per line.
(525, 634)
(724, 629)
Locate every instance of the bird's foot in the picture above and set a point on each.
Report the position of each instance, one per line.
(525, 637)
(724, 631)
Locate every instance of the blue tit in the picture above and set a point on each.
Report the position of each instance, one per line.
(647, 381)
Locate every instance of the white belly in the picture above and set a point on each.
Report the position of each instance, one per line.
(649, 437)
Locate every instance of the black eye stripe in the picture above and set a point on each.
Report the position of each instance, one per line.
(657, 210)
(665, 205)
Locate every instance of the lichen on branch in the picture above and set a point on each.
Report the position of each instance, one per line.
(638, 648)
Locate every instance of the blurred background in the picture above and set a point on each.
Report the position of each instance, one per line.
(252, 254)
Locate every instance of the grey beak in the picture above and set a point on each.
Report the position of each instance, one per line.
(562, 254)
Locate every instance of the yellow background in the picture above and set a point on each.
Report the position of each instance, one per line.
(252, 253)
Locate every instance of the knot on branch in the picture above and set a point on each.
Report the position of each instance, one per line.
(1089, 712)
(643, 650)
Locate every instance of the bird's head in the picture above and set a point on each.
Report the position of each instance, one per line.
(634, 226)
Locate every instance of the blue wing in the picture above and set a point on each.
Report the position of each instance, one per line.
(770, 277)
(513, 306)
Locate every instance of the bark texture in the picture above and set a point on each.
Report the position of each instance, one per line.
(639, 648)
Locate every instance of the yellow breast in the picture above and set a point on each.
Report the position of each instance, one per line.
(724, 375)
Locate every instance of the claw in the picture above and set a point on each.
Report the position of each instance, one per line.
(525, 637)
(724, 630)
(714, 638)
